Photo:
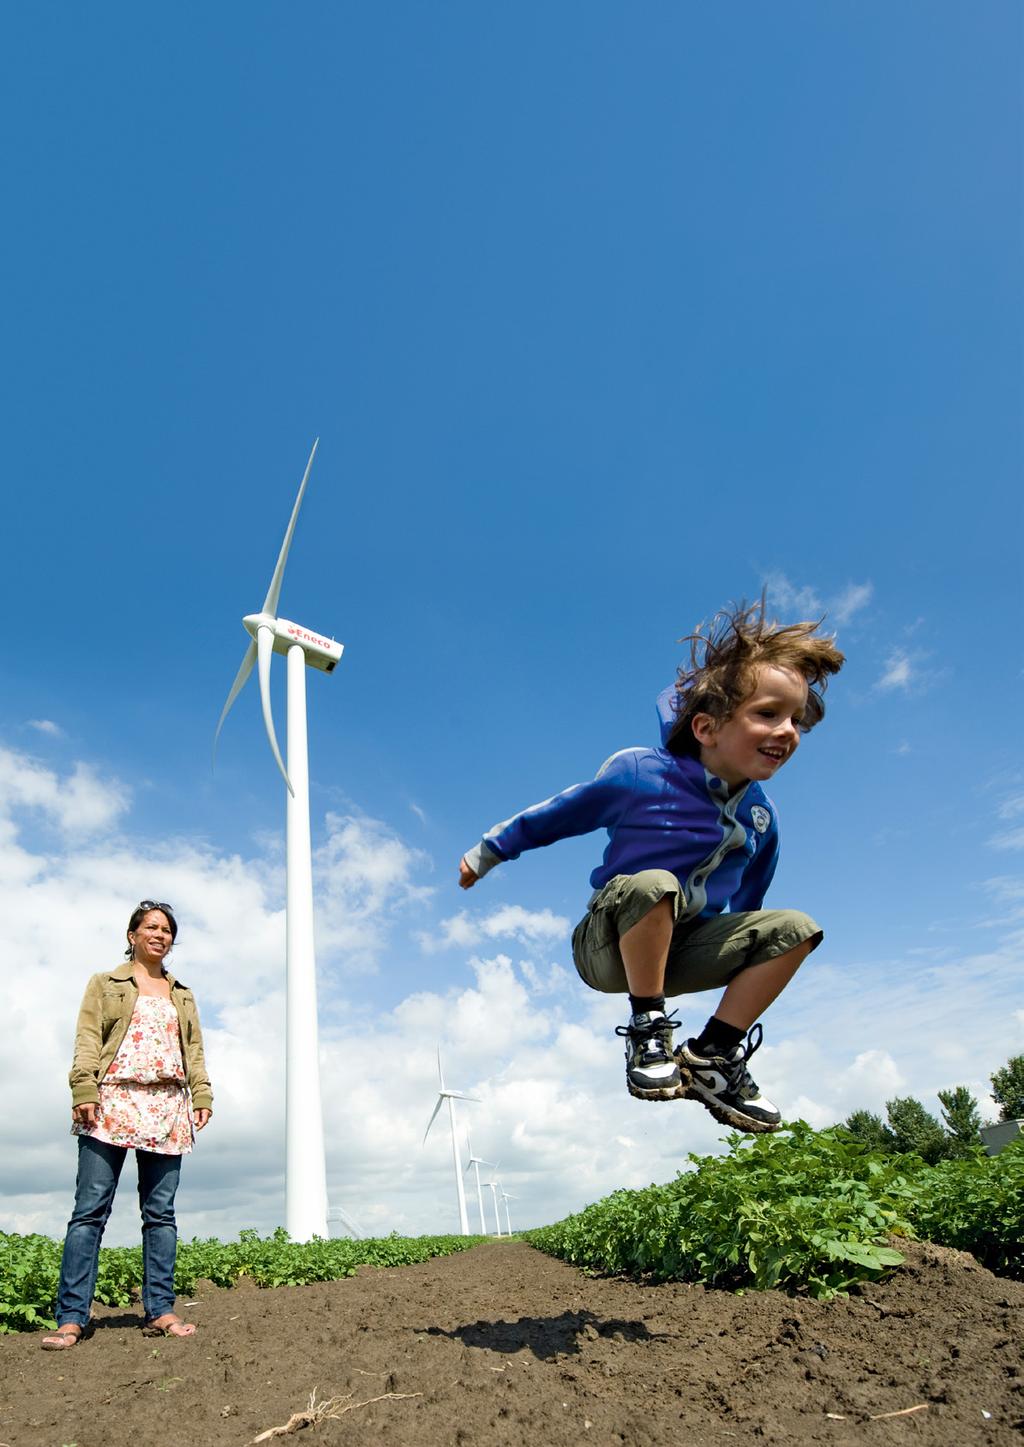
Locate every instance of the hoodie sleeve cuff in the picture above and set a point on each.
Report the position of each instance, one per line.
(481, 859)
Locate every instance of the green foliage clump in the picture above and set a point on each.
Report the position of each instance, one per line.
(1008, 1089)
(30, 1267)
(962, 1120)
(909, 1129)
(915, 1130)
(277, 1261)
(800, 1210)
(976, 1205)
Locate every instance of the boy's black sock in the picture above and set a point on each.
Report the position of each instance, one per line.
(718, 1038)
(644, 1004)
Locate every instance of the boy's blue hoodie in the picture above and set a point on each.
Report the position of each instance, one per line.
(662, 811)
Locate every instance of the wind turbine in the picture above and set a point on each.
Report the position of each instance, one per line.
(506, 1197)
(451, 1096)
(338, 1213)
(494, 1184)
(305, 1172)
(476, 1162)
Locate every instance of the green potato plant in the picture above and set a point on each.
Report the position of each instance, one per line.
(800, 1210)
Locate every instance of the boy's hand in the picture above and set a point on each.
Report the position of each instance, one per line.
(467, 878)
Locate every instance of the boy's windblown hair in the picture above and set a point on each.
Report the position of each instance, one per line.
(724, 654)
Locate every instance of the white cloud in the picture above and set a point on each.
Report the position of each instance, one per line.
(1008, 839)
(851, 600)
(786, 597)
(793, 599)
(78, 804)
(1012, 807)
(1006, 890)
(46, 726)
(365, 875)
(898, 672)
(510, 921)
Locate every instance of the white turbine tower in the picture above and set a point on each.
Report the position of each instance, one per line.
(451, 1096)
(495, 1185)
(476, 1162)
(305, 1173)
(506, 1197)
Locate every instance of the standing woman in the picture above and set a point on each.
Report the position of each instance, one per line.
(138, 1082)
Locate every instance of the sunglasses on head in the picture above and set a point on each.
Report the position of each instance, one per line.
(156, 904)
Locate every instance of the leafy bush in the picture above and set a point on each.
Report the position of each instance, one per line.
(1008, 1089)
(976, 1205)
(30, 1267)
(800, 1210)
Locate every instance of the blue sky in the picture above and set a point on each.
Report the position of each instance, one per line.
(605, 316)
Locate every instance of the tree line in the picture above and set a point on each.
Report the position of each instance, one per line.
(909, 1128)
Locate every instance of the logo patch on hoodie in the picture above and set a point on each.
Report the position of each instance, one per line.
(761, 818)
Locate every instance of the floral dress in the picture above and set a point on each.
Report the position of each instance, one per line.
(144, 1101)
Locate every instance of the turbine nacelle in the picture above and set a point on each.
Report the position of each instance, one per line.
(271, 634)
(320, 652)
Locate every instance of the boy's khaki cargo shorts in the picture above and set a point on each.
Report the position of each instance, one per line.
(704, 954)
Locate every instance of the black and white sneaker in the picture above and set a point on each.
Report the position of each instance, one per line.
(651, 1069)
(725, 1086)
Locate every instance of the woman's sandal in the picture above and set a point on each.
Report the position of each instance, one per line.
(169, 1325)
(62, 1339)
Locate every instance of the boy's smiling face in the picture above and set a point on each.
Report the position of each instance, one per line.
(761, 735)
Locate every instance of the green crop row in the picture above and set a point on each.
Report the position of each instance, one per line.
(30, 1266)
(801, 1210)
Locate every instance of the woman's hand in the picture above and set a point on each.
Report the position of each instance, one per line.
(201, 1116)
(88, 1115)
(467, 878)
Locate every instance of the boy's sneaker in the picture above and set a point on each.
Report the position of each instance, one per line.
(651, 1069)
(724, 1084)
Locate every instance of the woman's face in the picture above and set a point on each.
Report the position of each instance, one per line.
(152, 939)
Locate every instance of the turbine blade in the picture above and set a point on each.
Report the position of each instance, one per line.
(236, 689)
(264, 653)
(458, 1095)
(440, 1073)
(430, 1122)
(274, 591)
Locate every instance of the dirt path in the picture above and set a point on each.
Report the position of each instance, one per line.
(504, 1345)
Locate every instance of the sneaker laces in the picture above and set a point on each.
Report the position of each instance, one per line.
(650, 1031)
(738, 1077)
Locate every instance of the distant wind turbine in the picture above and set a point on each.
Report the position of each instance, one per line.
(495, 1186)
(476, 1162)
(451, 1096)
(338, 1213)
(305, 1173)
(506, 1197)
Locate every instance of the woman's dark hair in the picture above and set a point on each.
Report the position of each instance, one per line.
(144, 907)
(724, 657)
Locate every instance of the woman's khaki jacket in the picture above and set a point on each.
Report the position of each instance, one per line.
(103, 1022)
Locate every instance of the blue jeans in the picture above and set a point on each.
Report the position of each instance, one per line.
(99, 1168)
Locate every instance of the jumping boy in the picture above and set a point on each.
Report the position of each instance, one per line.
(693, 844)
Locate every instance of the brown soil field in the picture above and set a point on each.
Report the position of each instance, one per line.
(501, 1344)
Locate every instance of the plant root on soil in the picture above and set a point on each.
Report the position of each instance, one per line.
(322, 1411)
